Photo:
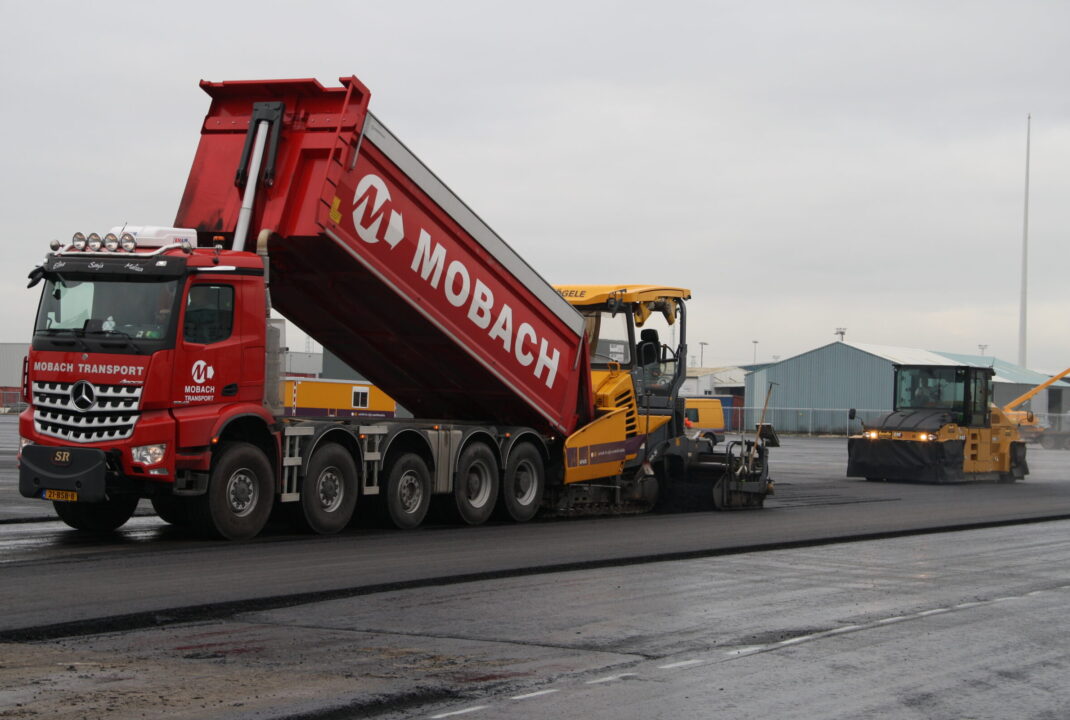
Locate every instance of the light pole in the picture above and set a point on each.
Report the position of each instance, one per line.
(841, 332)
(1025, 250)
(702, 353)
(982, 348)
(755, 360)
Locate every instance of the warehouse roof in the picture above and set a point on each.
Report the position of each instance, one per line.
(723, 376)
(907, 355)
(1005, 371)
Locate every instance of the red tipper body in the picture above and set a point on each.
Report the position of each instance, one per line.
(376, 259)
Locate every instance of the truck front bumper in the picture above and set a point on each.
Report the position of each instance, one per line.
(83, 471)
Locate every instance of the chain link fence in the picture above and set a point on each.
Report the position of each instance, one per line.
(804, 421)
(837, 421)
(11, 402)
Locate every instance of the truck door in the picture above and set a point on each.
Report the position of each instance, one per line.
(208, 351)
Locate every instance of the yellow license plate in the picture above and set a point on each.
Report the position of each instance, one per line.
(61, 495)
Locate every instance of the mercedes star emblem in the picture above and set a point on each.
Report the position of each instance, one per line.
(83, 395)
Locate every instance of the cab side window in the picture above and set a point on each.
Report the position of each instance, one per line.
(209, 314)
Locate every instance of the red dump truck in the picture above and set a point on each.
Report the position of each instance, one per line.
(153, 371)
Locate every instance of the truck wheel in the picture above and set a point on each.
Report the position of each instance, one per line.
(523, 485)
(408, 491)
(97, 517)
(171, 509)
(1048, 442)
(239, 497)
(475, 490)
(329, 490)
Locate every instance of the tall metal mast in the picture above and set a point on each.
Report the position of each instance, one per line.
(1025, 250)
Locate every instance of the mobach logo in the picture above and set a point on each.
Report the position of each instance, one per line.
(202, 372)
(135, 268)
(453, 277)
(200, 391)
(370, 204)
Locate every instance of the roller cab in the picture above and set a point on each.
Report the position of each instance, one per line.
(943, 429)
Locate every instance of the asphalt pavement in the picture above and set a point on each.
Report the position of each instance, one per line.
(942, 627)
(631, 617)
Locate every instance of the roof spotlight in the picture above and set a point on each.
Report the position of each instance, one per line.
(78, 241)
(111, 243)
(94, 242)
(128, 242)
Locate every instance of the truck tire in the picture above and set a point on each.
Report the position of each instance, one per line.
(329, 490)
(101, 517)
(172, 509)
(408, 491)
(475, 488)
(1048, 442)
(240, 494)
(523, 484)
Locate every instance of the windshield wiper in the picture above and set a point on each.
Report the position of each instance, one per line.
(76, 333)
(126, 336)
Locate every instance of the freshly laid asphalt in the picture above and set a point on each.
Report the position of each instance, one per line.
(841, 599)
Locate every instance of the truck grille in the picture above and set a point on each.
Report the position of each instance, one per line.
(82, 412)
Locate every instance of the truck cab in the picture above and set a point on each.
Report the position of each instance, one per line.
(143, 350)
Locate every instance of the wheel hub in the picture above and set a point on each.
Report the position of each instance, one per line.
(410, 492)
(329, 489)
(478, 484)
(243, 492)
(525, 486)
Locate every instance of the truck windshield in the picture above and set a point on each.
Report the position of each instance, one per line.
(942, 388)
(129, 314)
(608, 337)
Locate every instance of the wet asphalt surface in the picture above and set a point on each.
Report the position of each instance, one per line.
(782, 612)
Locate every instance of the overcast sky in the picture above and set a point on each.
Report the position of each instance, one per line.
(801, 166)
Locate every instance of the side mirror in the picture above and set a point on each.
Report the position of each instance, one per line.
(35, 276)
(852, 414)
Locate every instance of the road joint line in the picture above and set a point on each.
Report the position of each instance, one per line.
(537, 693)
(611, 678)
(464, 711)
(683, 663)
